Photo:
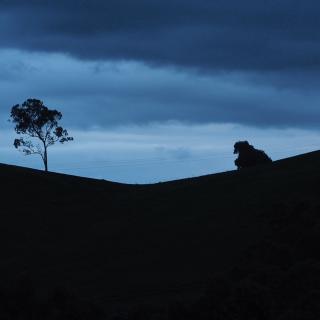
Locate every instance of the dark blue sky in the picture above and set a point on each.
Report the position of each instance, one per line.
(209, 71)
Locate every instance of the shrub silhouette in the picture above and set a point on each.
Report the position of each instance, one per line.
(248, 155)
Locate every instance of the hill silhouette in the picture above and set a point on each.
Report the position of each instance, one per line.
(119, 245)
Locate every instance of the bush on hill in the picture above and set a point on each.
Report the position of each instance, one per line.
(248, 155)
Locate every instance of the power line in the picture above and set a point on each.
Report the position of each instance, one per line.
(160, 160)
(147, 162)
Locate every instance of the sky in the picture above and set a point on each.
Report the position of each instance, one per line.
(159, 90)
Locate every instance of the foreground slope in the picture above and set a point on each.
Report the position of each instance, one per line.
(120, 243)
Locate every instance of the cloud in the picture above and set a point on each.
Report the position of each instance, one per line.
(209, 35)
(105, 94)
(107, 63)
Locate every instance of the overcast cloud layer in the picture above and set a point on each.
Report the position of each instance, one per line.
(105, 94)
(248, 62)
(228, 35)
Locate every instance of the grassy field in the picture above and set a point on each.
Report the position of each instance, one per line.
(119, 245)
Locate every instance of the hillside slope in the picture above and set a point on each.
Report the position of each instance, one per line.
(113, 242)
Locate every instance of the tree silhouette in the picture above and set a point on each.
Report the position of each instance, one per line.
(248, 155)
(34, 121)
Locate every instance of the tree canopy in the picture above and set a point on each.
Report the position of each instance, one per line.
(248, 156)
(34, 121)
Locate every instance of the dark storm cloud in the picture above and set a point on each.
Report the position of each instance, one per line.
(227, 35)
(249, 62)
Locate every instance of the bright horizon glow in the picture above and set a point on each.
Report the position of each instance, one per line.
(159, 152)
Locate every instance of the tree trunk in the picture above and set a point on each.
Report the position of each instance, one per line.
(45, 159)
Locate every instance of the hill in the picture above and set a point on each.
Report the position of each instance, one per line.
(119, 245)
